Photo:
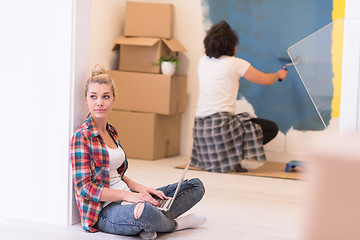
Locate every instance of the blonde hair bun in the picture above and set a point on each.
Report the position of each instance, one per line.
(98, 75)
(98, 69)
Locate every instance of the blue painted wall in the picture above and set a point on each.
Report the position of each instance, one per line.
(266, 29)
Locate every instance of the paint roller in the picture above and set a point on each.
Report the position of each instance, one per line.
(284, 58)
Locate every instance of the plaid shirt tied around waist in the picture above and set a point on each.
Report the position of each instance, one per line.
(223, 140)
(90, 169)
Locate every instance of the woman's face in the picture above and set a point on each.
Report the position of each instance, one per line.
(100, 100)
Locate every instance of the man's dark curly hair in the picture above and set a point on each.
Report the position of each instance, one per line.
(220, 40)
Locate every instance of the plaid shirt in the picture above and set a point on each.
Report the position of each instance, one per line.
(223, 140)
(90, 168)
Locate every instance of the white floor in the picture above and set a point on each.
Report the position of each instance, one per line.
(236, 206)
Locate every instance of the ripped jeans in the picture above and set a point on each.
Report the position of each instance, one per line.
(119, 219)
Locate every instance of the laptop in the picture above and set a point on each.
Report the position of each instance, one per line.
(165, 204)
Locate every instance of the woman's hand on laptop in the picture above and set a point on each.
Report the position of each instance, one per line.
(136, 197)
(141, 193)
(158, 195)
(149, 194)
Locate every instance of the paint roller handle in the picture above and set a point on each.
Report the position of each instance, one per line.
(285, 68)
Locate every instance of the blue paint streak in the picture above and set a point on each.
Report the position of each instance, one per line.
(266, 28)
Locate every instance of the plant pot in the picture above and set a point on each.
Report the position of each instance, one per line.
(168, 67)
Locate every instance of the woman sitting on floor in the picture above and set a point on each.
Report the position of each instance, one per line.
(221, 138)
(99, 164)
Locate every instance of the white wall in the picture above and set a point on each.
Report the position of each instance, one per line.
(37, 72)
(350, 85)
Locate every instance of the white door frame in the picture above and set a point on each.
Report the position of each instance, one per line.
(80, 62)
(350, 79)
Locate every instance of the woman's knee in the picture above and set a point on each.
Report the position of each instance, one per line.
(272, 132)
(275, 128)
(198, 186)
(138, 210)
(269, 128)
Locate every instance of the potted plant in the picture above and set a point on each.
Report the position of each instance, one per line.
(167, 65)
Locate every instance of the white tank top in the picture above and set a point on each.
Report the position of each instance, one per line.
(117, 158)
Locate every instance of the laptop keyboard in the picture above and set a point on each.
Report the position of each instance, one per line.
(162, 202)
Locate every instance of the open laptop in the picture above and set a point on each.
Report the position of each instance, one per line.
(165, 204)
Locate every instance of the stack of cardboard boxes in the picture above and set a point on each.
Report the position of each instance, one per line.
(148, 104)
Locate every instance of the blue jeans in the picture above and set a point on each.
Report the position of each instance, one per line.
(119, 219)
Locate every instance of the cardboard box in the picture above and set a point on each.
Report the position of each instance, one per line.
(147, 92)
(147, 136)
(149, 19)
(138, 54)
